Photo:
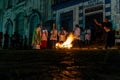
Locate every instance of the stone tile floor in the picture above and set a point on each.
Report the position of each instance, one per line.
(62, 64)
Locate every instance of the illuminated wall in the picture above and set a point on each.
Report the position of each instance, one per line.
(115, 11)
(83, 8)
(22, 16)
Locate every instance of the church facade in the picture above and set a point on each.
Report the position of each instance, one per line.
(22, 16)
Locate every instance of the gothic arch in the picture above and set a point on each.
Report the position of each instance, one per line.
(19, 27)
(34, 19)
(9, 27)
(9, 30)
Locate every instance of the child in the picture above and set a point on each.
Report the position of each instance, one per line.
(44, 37)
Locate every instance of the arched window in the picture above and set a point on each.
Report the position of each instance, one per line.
(34, 20)
(33, 23)
(8, 30)
(9, 4)
(20, 24)
(9, 27)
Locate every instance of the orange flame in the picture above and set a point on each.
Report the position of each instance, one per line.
(67, 43)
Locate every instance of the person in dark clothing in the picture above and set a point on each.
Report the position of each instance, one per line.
(25, 42)
(12, 41)
(6, 40)
(107, 26)
(15, 40)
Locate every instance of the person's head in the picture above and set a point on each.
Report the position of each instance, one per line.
(43, 27)
(54, 26)
(39, 25)
(105, 19)
(62, 28)
(77, 25)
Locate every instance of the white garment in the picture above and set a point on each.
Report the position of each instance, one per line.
(53, 35)
(44, 35)
(88, 34)
(77, 33)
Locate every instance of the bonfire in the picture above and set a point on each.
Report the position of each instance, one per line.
(68, 43)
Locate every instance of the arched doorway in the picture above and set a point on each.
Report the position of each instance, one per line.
(9, 27)
(8, 32)
(20, 24)
(34, 20)
(91, 13)
(19, 29)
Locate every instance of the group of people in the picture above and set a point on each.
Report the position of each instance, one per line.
(14, 41)
(40, 35)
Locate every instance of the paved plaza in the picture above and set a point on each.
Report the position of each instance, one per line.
(60, 64)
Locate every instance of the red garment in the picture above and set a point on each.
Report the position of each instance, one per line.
(43, 44)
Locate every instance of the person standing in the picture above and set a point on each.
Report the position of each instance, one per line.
(44, 38)
(62, 35)
(87, 36)
(6, 41)
(36, 37)
(53, 37)
(107, 26)
(77, 36)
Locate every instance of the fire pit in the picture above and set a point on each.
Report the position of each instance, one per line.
(67, 44)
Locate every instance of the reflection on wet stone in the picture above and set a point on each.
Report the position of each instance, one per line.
(68, 71)
(58, 65)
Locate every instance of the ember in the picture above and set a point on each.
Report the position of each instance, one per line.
(67, 43)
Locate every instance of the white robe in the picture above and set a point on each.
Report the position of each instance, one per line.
(44, 35)
(77, 33)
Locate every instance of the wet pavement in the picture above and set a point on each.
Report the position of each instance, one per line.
(60, 65)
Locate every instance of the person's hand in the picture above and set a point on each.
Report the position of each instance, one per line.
(97, 23)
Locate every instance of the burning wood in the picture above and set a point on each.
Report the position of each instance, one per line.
(67, 43)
